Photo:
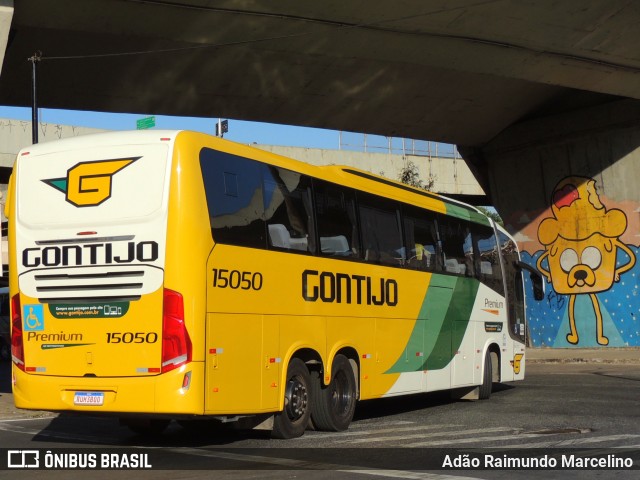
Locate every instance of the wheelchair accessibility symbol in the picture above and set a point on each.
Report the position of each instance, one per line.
(33, 318)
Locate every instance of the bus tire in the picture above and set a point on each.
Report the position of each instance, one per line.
(332, 407)
(292, 421)
(487, 377)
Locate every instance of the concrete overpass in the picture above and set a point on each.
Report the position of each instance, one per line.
(541, 98)
(458, 71)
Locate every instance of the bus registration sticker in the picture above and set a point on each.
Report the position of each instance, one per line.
(88, 398)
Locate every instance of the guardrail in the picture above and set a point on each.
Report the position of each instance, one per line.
(363, 142)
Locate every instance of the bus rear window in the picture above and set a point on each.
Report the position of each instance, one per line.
(96, 186)
(234, 192)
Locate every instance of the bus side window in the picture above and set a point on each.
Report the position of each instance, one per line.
(381, 232)
(420, 234)
(336, 219)
(457, 246)
(233, 187)
(288, 210)
(488, 261)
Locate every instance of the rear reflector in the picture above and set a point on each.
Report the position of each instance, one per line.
(17, 346)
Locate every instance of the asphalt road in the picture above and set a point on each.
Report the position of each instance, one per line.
(560, 409)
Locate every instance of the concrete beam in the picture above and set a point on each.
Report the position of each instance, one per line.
(457, 71)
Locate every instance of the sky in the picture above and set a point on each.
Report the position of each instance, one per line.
(239, 130)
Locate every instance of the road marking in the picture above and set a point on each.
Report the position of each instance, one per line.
(428, 435)
(18, 429)
(26, 419)
(406, 474)
(582, 440)
(457, 441)
(94, 439)
(351, 433)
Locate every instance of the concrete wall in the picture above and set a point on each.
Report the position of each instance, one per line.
(450, 175)
(567, 187)
(16, 134)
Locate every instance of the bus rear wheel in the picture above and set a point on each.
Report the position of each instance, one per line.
(332, 407)
(293, 420)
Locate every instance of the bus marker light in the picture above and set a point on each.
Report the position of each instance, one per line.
(366, 356)
(275, 360)
(147, 370)
(419, 354)
(215, 351)
(274, 385)
(216, 389)
(35, 369)
(186, 381)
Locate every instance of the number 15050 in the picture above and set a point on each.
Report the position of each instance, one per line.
(224, 278)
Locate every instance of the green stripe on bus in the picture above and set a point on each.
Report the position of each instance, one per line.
(441, 324)
(457, 321)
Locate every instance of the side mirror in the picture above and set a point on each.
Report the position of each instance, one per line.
(538, 286)
(536, 280)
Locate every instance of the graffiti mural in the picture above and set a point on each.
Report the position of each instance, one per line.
(581, 245)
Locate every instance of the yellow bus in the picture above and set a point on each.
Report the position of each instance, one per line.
(158, 275)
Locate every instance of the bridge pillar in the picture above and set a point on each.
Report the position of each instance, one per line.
(568, 188)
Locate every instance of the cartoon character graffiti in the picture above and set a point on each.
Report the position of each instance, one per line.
(581, 243)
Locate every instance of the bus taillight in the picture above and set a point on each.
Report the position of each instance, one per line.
(17, 346)
(176, 344)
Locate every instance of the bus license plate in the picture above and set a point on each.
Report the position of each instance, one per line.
(88, 398)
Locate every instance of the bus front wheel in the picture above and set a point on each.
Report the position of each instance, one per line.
(332, 407)
(490, 361)
(292, 421)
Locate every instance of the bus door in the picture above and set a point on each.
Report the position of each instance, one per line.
(515, 295)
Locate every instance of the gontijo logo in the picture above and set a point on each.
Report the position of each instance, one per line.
(88, 184)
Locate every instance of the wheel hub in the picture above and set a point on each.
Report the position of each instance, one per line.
(297, 399)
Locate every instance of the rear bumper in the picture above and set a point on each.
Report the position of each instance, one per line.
(159, 394)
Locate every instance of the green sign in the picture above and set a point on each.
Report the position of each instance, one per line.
(147, 122)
